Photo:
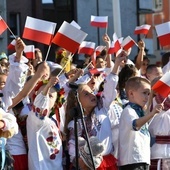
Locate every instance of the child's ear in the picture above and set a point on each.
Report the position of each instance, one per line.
(130, 93)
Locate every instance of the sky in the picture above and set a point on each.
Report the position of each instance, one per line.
(47, 1)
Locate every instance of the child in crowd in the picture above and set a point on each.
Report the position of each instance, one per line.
(153, 71)
(44, 140)
(165, 62)
(97, 119)
(159, 130)
(126, 72)
(134, 139)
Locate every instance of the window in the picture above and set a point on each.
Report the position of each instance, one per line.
(15, 24)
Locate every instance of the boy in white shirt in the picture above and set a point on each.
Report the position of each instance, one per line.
(134, 138)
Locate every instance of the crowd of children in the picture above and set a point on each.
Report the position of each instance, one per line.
(124, 122)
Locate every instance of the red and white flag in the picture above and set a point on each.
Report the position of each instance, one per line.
(163, 33)
(69, 37)
(86, 48)
(111, 50)
(29, 51)
(11, 46)
(143, 29)
(162, 86)
(39, 30)
(117, 45)
(75, 24)
(99, 49)
(94, 71)
(99, 21)
(3, 25)
(120, 40)
(127, 43)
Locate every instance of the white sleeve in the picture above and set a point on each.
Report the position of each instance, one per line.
(166, 68)
(63, 80)
(109, 93)
(10, 121)
(41, 103)
(17, 75)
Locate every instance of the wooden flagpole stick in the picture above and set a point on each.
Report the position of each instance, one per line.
(136, 44)
(144, 36)
(164, 100)
(65, 65)
(106, 30)
(12, 33)
(87, 66)
(47, 53)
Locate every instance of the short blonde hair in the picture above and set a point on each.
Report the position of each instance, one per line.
(134, 83)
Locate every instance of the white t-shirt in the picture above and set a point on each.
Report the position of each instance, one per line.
(134, 146)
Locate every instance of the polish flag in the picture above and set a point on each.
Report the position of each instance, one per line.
(111, 50)
(120, 40)
(39, 30)
(95, 71)
(99, 21)
(69, 37)
(3, 25)
(11, 46)
(99, 49)
(162, 86)
(117, 45)
(163, 33)
(143, 29)
(127, 43)
(75, 24)
(29, 51)
(86, 48)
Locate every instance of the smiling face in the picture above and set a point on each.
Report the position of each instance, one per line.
(87, 98)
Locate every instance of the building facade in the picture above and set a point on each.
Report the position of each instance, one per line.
(123, 16)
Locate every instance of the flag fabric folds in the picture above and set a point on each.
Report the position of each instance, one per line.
(162, 86)
(39, 30)
(163, 33)
(95, 71)
(127, 43)
(75, 24)
(111, 50)
(29, 51)
(69, 37)
(143, 29)
(99, 21)
(3, 25)
(11, 46)
(99, 49)
(115, 45)
(86, 48)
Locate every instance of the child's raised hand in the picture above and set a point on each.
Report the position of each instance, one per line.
(122, 56)
(53, 80)
(157, 109)
(106, 39)
(20, 45)
(141, 44)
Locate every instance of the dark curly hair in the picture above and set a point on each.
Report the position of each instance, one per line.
(127, 72)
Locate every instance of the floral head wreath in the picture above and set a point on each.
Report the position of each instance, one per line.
(60, 94)
(61, 53)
